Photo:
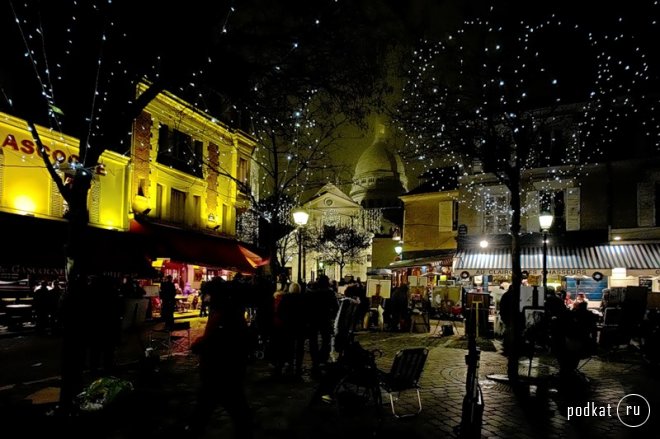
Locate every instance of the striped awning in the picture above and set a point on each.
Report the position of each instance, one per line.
(564, 260)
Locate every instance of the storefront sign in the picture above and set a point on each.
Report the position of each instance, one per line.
(23, 145)
(539, 272)
(649, 272)
(15, 271)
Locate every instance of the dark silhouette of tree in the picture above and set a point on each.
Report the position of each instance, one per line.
(317, 70)
(491, 96)
(75, 67)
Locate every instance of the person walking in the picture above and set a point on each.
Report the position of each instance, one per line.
(223, 357)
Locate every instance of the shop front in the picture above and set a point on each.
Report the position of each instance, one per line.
(575, 269)
(35, 251)
(191, 257)
(435, 269)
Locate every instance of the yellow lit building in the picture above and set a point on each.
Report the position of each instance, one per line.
(184, 166)
(173, 200)
(430, 228)
(27, 189)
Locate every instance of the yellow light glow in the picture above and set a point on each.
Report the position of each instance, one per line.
(24, 204)
(158, 263)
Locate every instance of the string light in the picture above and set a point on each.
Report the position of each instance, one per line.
(510, 120)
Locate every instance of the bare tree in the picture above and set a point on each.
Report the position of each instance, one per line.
(76, 72)
(341, 245)
(489, 96)
(299, 92)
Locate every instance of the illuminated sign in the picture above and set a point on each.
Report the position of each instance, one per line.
(27, 146)
(537, 272)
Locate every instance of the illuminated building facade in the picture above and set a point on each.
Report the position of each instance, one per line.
(173, 198)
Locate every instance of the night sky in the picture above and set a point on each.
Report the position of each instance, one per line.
(248, 41)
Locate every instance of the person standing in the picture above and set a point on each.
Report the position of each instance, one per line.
(292, 314)
(105, 326)
(167, 301)
(223, 356)
(322, 310)
(41, 308)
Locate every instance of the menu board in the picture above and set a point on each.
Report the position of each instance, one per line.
(646, 282)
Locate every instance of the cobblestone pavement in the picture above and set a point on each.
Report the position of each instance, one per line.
(161, 402)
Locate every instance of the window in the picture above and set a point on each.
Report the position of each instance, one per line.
(197, 210)
(446, 216)
(656, 203)
(142, 182)
(563, 203)
(225, 218)
(496, 213)
(557, 145)
(159, 201)
(242, 171)
(180, 151)
(177, 206)
(555, 203)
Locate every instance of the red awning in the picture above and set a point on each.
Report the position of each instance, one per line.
(193, 247)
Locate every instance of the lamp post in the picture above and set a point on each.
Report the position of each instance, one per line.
(300, 217)
(545, 220)
(398, 249)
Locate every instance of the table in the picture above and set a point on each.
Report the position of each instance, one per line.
(18, 313)
(182, 303)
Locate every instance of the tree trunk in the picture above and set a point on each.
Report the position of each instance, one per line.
(516, 277)
(76, 321)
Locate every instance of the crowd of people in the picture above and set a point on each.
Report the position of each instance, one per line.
(567, 328)
(291, 317)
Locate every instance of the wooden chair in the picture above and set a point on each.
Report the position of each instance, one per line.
(404, 375)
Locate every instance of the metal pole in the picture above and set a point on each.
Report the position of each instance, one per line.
(545, 261)
(304, 264)
(299, 257)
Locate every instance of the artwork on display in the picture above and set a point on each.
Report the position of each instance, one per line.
(415, 281)
(533, 316)
(527, 297)
(151, 290)
(384, 286)
(443, 294)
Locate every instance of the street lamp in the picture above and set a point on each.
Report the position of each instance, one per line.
(545, 220)
(398, 249)
(300, 217)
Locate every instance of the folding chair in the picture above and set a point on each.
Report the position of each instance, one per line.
(172, 338)
(404, 375)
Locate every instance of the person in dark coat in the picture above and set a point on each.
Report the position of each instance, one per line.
(399, 307)
(223, 357)
(291, 312)
(105, 330)
(322, 306)
(167, 301)
(41, 306)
